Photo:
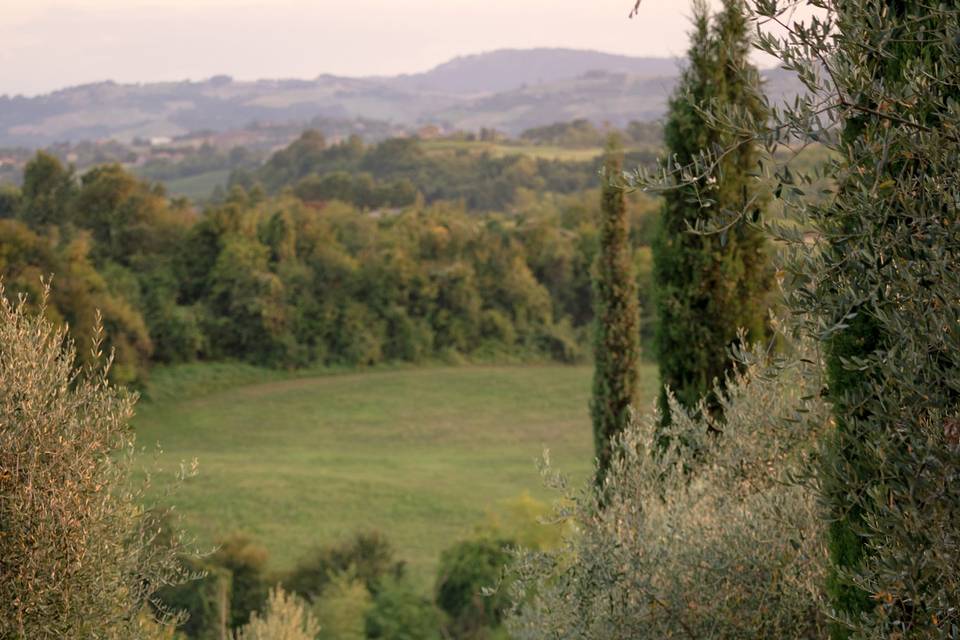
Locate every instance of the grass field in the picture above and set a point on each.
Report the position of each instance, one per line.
(496, 149)
(420, 454)
(198, 187)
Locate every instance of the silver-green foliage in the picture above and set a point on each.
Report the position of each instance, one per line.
(884, 292)
(713, 537)
(874, 266)
(77, 558)
(285, 617)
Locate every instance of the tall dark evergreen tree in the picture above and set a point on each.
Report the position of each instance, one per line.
(888, 288)
(878, 286)
(708, 287)
(617, 317)
(880, 289)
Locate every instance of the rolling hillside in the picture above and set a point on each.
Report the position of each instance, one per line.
(509, 89)
(510, 69)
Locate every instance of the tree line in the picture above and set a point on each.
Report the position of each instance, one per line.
(391, 173)
(283, 282)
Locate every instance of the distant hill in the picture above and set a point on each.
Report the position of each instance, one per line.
(598, 96)
(509, 69)
(170, 109)
(509, 89)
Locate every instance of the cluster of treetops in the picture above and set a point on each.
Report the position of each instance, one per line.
(358, 588)
(283, 273)
(393, 173)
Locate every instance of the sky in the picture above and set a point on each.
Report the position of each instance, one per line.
(50, 44)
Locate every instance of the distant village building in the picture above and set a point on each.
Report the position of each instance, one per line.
(429, 132)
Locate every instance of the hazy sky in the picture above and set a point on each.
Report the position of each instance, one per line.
(49, 44)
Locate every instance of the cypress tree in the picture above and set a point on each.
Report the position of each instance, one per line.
(880, 289)
(708, 287)
(617, 317)
(886, 287)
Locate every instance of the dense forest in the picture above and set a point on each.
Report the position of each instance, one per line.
(323, 264)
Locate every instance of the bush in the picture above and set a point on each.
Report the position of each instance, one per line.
(285, 618)
(466, 571)
(525, 520)
(203, 603)
(343, 607)
(368, 556)
(400, 613)
(76, 553)
(708, 538)
(497, 327)
(245, 561)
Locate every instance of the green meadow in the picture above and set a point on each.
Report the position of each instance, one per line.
(198, 187)
(500, 149)
(423, 455)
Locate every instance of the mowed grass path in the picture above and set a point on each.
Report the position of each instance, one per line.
(419, 454)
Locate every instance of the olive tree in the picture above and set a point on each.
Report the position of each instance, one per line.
(708, 536)
(873, 269)
(78, 551)
(285, 617)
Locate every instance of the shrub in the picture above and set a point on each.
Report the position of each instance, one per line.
(76, 559)
(707, 537)
(409, 339)
(245, 561)
(208, 615)
(467, 571)
(152, 630)
(204, 603)
(360, 335)
(525, 520)
(9, 201)
(284, 618)
(497, 327)
(368, 555)
(343, 607)
(400, 613)
(177, 333)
